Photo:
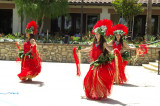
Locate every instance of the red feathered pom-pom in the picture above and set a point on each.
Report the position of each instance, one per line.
(119, 27)
(104, 22)
(17, 46)
(143, 50)
(32, 23)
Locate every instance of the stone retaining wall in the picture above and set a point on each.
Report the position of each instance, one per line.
(63, 53)
(49, 52)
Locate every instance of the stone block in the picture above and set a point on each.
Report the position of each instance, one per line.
(64, 53)
(4, 51)
(52, 53)
(63, 49)
(45, 47)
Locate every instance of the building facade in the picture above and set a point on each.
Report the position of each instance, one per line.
(93, 11)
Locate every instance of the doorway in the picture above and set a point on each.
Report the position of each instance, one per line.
(6, 20)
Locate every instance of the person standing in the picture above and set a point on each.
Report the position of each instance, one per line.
(118, 44)
(99, 79)
(30, 60)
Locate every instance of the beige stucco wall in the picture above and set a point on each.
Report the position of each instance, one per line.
(16, 22)
(105, 14)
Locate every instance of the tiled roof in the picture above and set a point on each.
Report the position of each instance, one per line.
(90, 1)
(108, 2)
(153, 1)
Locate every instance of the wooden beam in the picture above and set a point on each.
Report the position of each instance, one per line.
(154, 11)
(112, 11)
(7, 5)
(85, 10)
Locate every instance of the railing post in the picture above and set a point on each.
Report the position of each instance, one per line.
(158, 62)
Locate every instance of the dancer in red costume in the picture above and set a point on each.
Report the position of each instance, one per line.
(99, 79)
(30, 60)
(119, 31)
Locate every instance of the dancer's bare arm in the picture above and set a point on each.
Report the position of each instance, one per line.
(105, 46)
(85, 50)
(126, 46)
(33, 42)
(110, 43)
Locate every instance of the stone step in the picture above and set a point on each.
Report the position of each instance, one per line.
(149, 67)
(156, 61)
(154, 64)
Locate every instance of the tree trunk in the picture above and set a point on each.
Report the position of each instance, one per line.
(149, 18)
(37, 27)
(132, 28)
(81, 29)
(42, 24)
(37, 20)
(22, 19)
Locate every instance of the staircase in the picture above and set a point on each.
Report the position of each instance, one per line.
(153, 66)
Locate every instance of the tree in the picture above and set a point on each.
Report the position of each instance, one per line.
(39, 9)
(128, 9)
(149, 18)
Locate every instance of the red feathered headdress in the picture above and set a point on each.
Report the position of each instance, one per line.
(119, 29)
(102, 27)
(29, 25)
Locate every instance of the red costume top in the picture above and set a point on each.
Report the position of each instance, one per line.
(119, 46)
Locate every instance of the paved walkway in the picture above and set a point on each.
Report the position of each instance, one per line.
(58, 85)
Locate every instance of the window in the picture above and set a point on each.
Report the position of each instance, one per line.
(78, 24)
(154, 23)
(91, 21)
(115, 18)
(59, 23)
(138, 25)
(67, 23)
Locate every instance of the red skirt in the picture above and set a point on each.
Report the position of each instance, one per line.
(98, 82)
(120, 75)
(30, 67)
